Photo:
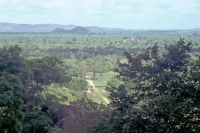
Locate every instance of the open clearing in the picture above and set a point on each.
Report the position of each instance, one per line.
(97, 87)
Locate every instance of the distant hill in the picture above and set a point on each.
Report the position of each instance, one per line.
(59, 30)
(13, 27)
(80, 30)
(197, 29)
(76, 30)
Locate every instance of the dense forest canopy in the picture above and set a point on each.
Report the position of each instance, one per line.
(160, 93)
(154, 87)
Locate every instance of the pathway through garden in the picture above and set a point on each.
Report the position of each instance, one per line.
(97, 91)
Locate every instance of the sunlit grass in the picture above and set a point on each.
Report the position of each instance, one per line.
(102, 80)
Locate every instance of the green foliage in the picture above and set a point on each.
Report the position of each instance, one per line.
(44, 71)
(79, 116)
(92, 53)
(35, 120)
(165, 95)
(58, 94)
(11, 90)
(21, 80)
(73, 39)
(114, 83)
(77, 84)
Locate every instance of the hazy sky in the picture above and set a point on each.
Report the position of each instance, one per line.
(128, 14)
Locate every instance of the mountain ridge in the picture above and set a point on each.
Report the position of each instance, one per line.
(15, 27)
(50, 28)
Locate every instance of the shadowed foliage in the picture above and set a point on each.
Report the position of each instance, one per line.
(21, 80)
(11, 90)
(160, 93)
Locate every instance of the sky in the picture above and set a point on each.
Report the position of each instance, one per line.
(127, 14)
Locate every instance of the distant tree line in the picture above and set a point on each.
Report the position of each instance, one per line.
(89, 52)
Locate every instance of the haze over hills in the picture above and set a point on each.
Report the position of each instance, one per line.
(57, 28)
(14, 27)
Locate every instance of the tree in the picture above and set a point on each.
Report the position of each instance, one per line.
(11, 90)
(58, 94)
(44, 115)
(81, 68)
(36, 122)
(79, 116)
(22, 108)
(114, 83)
(77, 84)
(44, 71)
(160, 93)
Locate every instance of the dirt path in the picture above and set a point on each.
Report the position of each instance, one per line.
(97, 91)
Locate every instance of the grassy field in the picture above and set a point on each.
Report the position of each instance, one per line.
(96, 98)
(101, 84)
(102, 80)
